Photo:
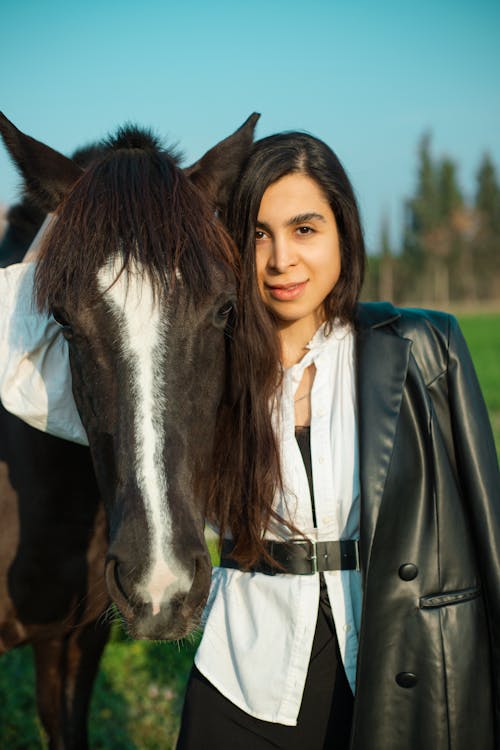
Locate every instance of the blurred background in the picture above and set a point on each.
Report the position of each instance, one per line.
(407, 94)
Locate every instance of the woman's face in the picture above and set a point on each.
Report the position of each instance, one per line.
(297, 251)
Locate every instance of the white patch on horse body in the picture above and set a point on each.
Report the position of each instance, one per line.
(132, 301)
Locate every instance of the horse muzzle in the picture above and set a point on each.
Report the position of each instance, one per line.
(170, 615)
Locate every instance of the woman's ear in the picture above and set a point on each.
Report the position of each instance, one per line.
(216, 172)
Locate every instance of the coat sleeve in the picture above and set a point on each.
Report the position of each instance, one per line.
(480, 478)
(35, 376)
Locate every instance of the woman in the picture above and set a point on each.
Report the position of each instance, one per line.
(411, 627)
(388, 482)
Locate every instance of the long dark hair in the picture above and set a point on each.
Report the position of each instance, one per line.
(287, 153)
(248, 515)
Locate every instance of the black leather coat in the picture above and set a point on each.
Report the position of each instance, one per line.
(429, 651)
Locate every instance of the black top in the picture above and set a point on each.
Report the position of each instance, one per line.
(303, 438)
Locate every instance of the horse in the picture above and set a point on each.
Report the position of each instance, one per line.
(23, 220)
(142, 279)
(53, 540)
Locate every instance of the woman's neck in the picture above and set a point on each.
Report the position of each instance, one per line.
(294, 337)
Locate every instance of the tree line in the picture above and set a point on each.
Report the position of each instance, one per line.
(450, 246)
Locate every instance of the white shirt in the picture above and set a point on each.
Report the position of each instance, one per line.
(259, 629)
(35, 378)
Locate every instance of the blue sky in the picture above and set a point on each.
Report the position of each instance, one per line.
(368, 77)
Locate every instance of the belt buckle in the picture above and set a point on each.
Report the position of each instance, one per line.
(314, 555)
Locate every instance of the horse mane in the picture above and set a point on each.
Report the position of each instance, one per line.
(133, 193)
(86, 155)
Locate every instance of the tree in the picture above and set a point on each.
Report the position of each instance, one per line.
(421, 211)
(451, 247)
(450, 198)
(487, 200)
(386, 268)
(487, 240)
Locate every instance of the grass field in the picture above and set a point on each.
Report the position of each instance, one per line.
(482, 333)
(140, 686)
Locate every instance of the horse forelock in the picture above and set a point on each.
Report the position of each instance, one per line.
(135, 200)
(133, 137)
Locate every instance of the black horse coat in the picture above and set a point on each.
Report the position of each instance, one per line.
(429, 649)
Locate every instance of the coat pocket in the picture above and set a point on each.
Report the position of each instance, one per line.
(449, 597)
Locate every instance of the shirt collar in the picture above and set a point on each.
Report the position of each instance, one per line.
(321, 338)
(316, 346)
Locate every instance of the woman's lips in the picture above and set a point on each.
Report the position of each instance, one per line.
(285, 292)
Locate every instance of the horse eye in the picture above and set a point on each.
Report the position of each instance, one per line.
(62, 322)
(223, 314)
(225, 310)
(58, 316)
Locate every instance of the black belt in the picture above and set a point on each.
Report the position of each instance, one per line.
(301, 557)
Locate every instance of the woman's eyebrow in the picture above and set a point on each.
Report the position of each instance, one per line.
(294, 220)
(263, 225)
(303, 218)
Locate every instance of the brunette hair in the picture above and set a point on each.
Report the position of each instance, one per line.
(246, 508)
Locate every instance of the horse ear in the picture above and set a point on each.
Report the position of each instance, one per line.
(217, 171)
(47, 174)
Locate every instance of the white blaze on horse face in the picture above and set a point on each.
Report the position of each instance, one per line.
(131, 298)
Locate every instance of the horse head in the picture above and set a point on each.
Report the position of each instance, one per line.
(142, 278)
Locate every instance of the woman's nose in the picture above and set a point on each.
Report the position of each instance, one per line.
(282, 255)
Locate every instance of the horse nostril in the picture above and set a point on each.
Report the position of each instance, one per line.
(116, 589)
(116, 573)
(201, 579)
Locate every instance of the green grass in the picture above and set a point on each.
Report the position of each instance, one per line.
(139, 690)
(137, 698)
(136, 702)
(482, 333)
(19, 727)
(139, 694)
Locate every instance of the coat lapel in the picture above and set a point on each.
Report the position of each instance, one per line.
(382, 363)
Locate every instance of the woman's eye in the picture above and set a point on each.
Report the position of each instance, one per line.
(259, 234)
(305, 230)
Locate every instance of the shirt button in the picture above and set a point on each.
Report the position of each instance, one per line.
(347, 627)
(327, 519)
(321, 460)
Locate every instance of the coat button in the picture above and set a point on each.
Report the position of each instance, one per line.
(406, 679)
(408, 572)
